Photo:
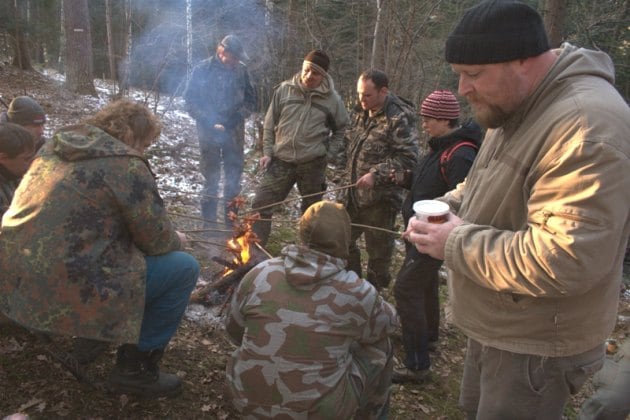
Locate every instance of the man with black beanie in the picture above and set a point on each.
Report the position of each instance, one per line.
(25, 111)
(303, 132)
(535, 252)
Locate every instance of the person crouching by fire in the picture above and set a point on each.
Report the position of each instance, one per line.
(89, 251)
(313, 338)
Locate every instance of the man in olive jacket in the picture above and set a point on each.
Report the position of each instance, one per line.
(303, 131)
(535, 252)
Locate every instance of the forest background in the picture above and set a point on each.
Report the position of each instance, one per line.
(153, 44)
(144, 49)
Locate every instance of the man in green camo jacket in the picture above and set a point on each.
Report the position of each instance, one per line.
(382, 137)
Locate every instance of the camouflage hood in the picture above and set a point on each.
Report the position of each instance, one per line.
(305, 267)
(325, 227)
(83, 142)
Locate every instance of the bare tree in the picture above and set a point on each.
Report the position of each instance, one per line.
(21, 57)
(78, 54)
(554, 13)
(110, 40)
(377, 41)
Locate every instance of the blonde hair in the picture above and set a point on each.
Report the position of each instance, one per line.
(128, 121)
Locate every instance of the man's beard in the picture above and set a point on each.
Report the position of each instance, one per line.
(491, 116)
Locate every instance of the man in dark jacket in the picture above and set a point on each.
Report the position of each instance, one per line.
(417, 284)
(219, 96)
(382, 137)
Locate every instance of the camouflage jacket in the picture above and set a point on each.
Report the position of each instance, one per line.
(296, 318)
(8, 184)
(380, 143)
(216, 94)
(73, 240)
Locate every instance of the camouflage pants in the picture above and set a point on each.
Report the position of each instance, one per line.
(219, 148)
(373, 384)
(379, 245)
(278, 180)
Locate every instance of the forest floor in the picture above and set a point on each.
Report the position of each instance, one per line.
(33, 382)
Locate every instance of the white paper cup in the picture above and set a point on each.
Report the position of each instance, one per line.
(431, 211)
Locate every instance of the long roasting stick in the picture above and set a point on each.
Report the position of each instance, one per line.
(288, 200)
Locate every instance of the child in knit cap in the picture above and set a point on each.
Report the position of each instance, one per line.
(452, 149)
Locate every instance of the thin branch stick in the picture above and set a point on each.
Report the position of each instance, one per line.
(204, 230)
(178, 190)
(188, 216)
(259, 246)
(201, 241)
(375, 228)
(288, 200)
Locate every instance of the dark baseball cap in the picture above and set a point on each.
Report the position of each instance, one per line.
(233, 45)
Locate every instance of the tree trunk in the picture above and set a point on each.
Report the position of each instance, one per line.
(376, 41)
(78, 55)
(554, 13)
(126, 54)
(111, 58)
(21, 57)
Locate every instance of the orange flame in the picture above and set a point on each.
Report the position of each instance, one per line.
(240, 248)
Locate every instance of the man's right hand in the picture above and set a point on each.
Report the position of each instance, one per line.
(264, 162)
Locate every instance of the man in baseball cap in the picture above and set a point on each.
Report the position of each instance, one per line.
(220, 96)
(233, 45)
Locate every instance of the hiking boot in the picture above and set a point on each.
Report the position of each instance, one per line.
(405, 375)
(87, 350)
(137, 372)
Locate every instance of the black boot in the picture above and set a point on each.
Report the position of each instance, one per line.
(87, 350)
(137, 373)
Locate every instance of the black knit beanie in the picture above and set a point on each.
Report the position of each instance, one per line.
(497, 31)
(319, 58)
(24, 110)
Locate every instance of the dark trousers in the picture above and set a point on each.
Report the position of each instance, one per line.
(220, 149)
(378, 244)
(276, 184)
(418, 305)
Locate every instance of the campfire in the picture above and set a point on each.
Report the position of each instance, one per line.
(246, 253)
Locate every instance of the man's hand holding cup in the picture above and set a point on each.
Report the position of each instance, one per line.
(430, 227)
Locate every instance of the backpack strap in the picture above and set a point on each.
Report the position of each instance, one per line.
(446, 155)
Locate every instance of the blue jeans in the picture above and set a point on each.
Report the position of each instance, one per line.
(170, 280)
(218, 148)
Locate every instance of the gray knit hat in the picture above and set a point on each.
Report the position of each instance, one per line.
(24, 110)
(497, 31)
